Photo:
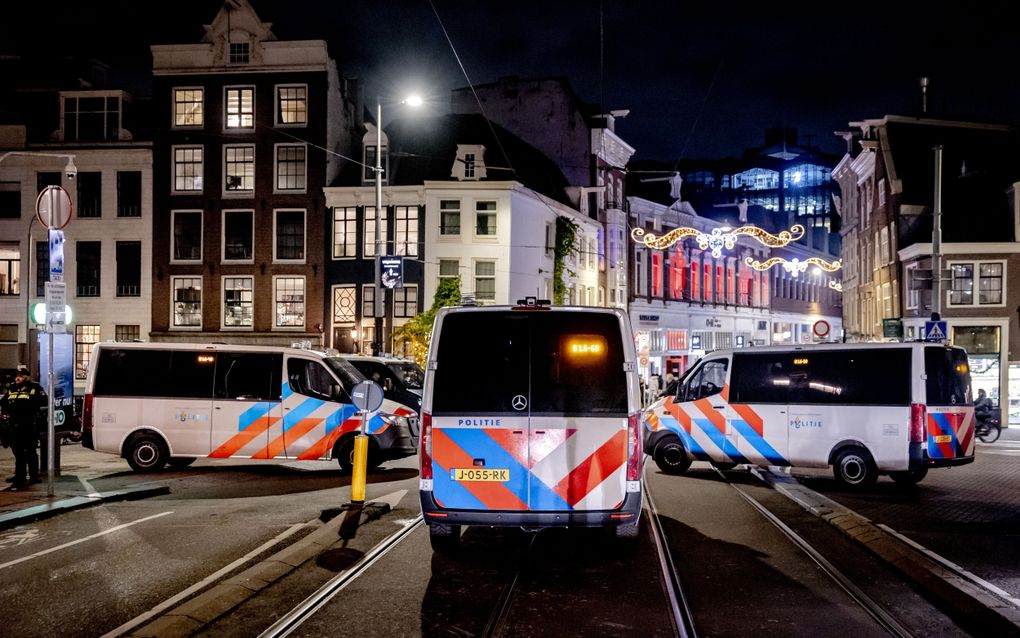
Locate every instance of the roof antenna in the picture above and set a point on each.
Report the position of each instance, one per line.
(924, 95)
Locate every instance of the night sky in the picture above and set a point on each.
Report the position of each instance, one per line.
(701, 80)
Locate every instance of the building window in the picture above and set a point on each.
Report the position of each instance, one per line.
(290, 302)
(46, 178)
(989, 285)
(10, 200)
(42, 267)
(238, 235)
(290, 167)
(913, 295)
(290, 236)
(291, 105)
(87, 254)
(469, 165)
(368, 250)
(657, 274)
(188, 169)
(405, 301)
(187, 235)
(10, 268)
(449, 217)
(238, 302)
(91, 119)
(187, 302)
(448, 269)
(127, 332)
(90, 194)
(129, 269)
(240, 107)
(485, 280)
(345, 232)
(239, 52)
(344, 304)
(369, 175)
(85, 337)
(367, 301)
(485, 218)
(406, 230)
(239, 169)
(188, 107)
(129, 194)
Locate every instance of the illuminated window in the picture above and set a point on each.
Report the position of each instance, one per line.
(731, 285)
(369, 248)
(290, 167)
(187, 305)
(188, 107)
(695, 279)
(657, 274)
(290, 302)
(990, 276)
(344, 303)
(127, 332)
(405, 230)
(188, 169)
(345, 232)
(239, 168)
(85, 338)
(291, 105)
(368, 300)
(405, 301)
(240, 107)
(238, 302)
(10, 268)
(707, 293)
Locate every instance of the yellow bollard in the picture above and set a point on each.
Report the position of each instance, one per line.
(360, 469)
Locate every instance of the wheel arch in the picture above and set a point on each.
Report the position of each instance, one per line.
(144, 430)
(844, 444)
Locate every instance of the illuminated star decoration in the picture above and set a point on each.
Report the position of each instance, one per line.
(794, 266)
(836, 285)
(718, 239)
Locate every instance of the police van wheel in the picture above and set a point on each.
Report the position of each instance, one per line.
(344, 455)
(854, 468)
(146, 453)
(445, 539)
(910, 477)
(671, 457)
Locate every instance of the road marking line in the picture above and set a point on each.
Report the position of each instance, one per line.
(80, 540)
(170, 602)
(90, 491)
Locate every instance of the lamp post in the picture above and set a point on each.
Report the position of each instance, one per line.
(71, 171)
(378, 304)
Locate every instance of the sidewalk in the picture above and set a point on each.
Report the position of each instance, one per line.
(72, 487)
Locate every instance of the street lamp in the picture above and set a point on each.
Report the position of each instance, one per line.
(377, 343)
(70, 171)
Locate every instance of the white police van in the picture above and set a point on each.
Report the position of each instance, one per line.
(530, 418)
(159, 403)
(865, 409)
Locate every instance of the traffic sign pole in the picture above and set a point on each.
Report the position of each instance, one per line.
(368, 397)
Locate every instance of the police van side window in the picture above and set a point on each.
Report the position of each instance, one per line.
(132, 373)
(761, 378)
(252, 376)
(707, 381)
(191, 374)
(854, 376)
(311, 379)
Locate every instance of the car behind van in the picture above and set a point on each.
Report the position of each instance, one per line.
(401, 379)
(159, 403)
(864, 409)
(530, 418)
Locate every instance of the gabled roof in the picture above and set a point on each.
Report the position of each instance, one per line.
(425, 148)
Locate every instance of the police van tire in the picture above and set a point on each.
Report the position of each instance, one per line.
(671, 457)
(344, 455)
(855, 468)
(909, 477)
(146, 453)
(444, 538)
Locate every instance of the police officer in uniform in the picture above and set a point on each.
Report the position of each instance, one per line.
(21, 404)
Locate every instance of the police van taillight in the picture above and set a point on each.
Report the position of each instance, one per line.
(918, 417)
(86, 413)
(634, 452)
(426, 446)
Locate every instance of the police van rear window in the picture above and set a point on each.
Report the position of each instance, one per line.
(948, 373)
(560, 363)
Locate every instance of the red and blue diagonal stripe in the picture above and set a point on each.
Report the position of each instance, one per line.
(458, 448)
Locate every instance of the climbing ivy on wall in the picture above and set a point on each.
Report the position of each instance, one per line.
(565, 245)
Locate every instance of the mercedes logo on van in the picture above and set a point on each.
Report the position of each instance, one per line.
(519, 402)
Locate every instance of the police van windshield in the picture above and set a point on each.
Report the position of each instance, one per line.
(562, 363)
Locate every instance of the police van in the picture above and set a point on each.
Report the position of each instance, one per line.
(401, 379)
(530, 418)
(159, 403)
(864, 409)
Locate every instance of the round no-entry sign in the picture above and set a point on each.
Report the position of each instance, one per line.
(53, 207)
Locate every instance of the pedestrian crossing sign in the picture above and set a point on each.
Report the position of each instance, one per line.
(935, 331)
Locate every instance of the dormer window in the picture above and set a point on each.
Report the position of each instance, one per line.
(240, 53)
(368, 143)
(91, 116)
(470, 162)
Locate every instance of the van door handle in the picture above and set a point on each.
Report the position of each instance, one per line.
(518, 431)
(718, 407)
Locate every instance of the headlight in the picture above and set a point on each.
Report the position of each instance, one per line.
(394, 420)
